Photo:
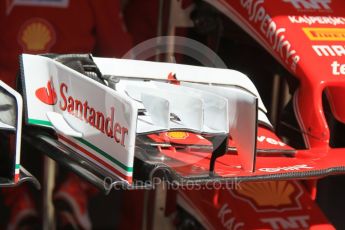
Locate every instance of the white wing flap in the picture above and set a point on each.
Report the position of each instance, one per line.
(242, 119)
(186, 108)
(189, 109)
(215, 107)
(159, 110)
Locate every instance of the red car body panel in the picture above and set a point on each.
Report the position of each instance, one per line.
(307, 37)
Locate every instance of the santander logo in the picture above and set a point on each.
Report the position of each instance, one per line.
(47, 95)
(81, 109)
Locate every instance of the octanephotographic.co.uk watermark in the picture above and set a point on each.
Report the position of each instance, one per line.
(110, 184)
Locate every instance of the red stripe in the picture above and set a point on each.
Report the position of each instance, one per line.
(16, 178)
(105, 164)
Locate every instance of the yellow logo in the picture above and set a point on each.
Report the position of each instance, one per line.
(270, 196)
(177, 135)
(325, 34)
(36, 35)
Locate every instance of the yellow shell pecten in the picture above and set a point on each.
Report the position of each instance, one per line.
(177, 135)
(36, 36)
(270, 193)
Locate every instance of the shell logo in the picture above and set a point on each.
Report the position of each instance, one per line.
(277, 195)
(177, 135)
(36, 35)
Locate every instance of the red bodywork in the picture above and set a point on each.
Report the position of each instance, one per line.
(312, 50)
(254, 205)
(308, 38)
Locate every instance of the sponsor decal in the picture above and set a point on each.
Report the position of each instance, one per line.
(36, 36)
(97, 119)
(227, 219)
(323, 20)
(292, 222)
(270, 196)
(273, 34)
(327, 50)
(337, 68)
(172, 79)
(288, 168)
(304, 5)
(270, 141)
(183, 138)
(47, 95)
(325, 34)
(10, 4)
(177, 135)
